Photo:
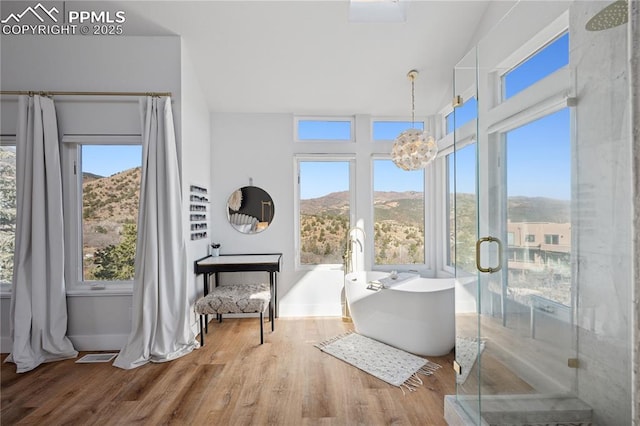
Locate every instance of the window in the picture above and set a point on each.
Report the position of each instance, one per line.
(324, 210)
(398, 214)
(551, 239)
(7, 211)
(538, 189)
(104, 187)
(461, 168)
(389, 130)
(461, 115)
(450, 216)
(542, 63)
(327, 130)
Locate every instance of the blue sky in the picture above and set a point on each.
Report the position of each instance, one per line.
(106, 160)
(320, 178)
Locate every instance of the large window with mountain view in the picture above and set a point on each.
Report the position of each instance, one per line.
(7, 211)
(110, 190)
(538, 159)
(324, 209)
(398, 214)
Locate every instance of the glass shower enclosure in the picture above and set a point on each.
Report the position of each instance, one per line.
(541, 220)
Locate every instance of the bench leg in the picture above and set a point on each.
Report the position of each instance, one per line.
(261, 328)
(271, 316)
(201, 331)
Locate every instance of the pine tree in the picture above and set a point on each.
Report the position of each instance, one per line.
(116, 262)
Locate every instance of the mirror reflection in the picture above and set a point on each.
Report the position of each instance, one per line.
(250, 209)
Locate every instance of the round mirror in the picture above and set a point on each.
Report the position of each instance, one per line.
(250, 209)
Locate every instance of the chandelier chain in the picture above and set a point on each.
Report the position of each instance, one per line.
(413, 104)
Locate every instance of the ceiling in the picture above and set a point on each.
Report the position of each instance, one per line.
(306, 57)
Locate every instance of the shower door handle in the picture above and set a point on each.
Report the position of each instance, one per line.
(479, 244)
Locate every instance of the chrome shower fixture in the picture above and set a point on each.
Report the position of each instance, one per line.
(615, 14)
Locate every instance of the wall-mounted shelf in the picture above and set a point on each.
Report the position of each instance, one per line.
(199, 199)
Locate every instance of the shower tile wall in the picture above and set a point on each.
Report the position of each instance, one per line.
(603, 206)
(634, 22)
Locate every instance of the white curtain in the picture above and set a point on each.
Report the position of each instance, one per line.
(160, 326)
(38, 299)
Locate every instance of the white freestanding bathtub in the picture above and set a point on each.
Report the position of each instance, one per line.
(416, 315)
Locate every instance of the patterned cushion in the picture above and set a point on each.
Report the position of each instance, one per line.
(235, 299)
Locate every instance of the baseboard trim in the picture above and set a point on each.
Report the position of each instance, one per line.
(99, 342)
(107, 342)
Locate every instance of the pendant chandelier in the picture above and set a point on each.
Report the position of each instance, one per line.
(413, 149)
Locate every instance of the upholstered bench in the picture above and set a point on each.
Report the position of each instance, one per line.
(235, 299)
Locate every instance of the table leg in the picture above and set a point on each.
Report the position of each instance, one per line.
(273, 283)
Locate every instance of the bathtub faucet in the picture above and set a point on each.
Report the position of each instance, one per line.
(354, 239)
(350, 240)
(346, 258)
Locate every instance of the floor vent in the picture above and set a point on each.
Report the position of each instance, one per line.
(91, 358)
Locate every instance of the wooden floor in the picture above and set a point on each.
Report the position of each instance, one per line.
(232, 380)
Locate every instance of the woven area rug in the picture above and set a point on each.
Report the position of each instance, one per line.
(466, 355)
(385, 362)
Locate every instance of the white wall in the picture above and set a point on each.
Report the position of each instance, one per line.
(140, 64)
(196, 165)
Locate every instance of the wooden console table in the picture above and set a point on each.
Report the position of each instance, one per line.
(241, 263)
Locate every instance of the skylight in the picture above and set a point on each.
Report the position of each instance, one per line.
(377, 11)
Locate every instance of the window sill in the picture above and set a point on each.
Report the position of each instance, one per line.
(320, 267)
(87, 291)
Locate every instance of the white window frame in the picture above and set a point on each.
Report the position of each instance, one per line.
(445, 211)
(72, 185)
(299, 158)
(349, 119)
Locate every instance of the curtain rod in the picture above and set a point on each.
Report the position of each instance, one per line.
(46, 93)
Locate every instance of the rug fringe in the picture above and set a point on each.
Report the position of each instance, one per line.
(429, 368)
(414, 382)
(333, 339)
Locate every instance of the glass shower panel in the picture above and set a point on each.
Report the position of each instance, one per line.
(529, 302)
(526, 317)
(463, 203)
(550, 308)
